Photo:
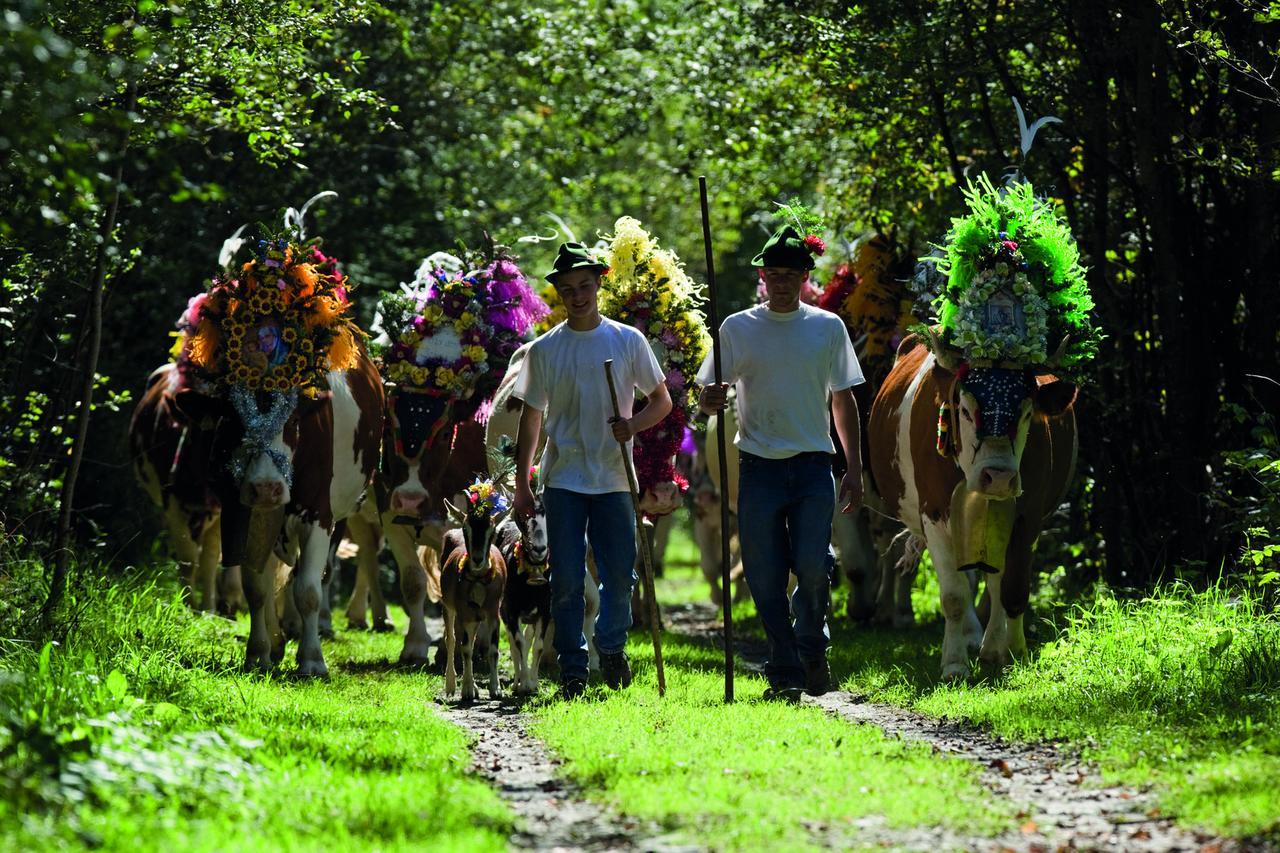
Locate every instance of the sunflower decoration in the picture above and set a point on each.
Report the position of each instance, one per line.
(452, 332)
(279, 322)
(1015, 290)
(647, 287)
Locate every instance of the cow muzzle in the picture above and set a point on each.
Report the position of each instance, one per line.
(998, 483)
(264, 494)
(408, 504)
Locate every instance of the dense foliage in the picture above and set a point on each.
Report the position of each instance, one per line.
(437, 121)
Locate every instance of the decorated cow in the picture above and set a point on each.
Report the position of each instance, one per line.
(449, 336)
(296, 412)
(171, 461)
(973, 440)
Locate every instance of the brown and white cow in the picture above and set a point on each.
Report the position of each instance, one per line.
(426, 458)
(171, 458)
(978, 500)
(287, 468)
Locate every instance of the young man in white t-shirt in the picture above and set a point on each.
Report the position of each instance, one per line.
(587, 495)
(791, 363)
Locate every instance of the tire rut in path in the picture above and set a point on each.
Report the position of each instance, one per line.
(1062, 812)
(551, 812)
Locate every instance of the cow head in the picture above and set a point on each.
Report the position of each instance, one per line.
(414, 453)
(257, 431)
(992, 410)
(484, 508)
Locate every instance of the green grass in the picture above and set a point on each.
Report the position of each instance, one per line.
(755, 774)
(137, 732)
(1178, 690)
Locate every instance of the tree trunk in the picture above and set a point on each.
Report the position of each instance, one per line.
(62, 540)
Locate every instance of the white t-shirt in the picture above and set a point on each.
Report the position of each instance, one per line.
(785, 367)
(563, 374)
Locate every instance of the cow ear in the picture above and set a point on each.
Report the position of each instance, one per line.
(1055, 397)
(196, 407)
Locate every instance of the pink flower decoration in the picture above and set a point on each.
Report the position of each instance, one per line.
(1011, 245)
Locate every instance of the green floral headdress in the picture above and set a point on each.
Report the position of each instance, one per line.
(1015, 290)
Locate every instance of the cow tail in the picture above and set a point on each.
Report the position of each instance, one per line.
(431, 562)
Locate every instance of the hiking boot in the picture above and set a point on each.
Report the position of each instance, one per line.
(572, 688)
(817, 676)
(790, 695)
(615, 669)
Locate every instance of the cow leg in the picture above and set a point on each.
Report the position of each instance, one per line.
(994, 651)
(367, 538)
(516, 639)
(450, 647)
(231, 598)
(957, 604)
(535, 635)
(851, 535)
(307, 590)
(413, 589)
(259, 570)
(905, 569)
(185, 549)
(491, 627)
(207, 565)
(325, 621)
(469, 630)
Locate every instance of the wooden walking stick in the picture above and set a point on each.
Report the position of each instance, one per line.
(713, 320)
(642, 541)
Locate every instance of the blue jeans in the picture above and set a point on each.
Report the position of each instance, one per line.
(608, 522)
(784, 525)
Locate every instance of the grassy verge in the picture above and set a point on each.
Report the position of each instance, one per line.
(1180, 690)
(136, 731)
(753, 775)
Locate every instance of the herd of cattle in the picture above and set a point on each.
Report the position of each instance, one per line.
(370, 464)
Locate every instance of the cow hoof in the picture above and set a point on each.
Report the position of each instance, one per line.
(259, 663)
(954, 672)
(416, 658)
(357, 624)
(312, 669)
(383, 626)
(326, 632)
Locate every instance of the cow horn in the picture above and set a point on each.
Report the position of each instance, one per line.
(947, 357)
(1055, 360)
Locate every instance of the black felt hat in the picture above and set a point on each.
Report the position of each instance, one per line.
(785, 248)
(572, 256)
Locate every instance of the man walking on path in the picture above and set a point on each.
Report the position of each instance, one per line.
(787, 360)
(587, 495)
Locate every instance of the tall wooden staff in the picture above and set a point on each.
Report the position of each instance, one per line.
(642, 541)
(713, 320)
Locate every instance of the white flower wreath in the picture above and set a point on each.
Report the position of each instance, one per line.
(979, 341)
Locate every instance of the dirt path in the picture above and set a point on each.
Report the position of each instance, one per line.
(550, 810)
(1061, 804)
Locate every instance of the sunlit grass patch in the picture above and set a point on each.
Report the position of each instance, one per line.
(139, 732)
(754, 774)
(1179, 689)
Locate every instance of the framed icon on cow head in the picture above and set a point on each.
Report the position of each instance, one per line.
(1004, 314)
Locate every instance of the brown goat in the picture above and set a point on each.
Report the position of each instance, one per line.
(473, 576)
